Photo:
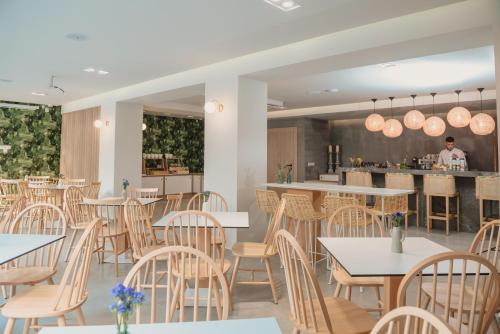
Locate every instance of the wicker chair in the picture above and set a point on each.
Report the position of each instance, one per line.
(360, 179)
(441, 186)
(214, 202)
(487, 189)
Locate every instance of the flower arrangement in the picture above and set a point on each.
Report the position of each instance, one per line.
(397, 219)
(206, 195)
(125, 184)
(126, 300)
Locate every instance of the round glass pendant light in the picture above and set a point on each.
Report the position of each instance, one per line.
(392, 127)
(434, 126)
(414, 119)
(458, 117)
(482, 124)
(374, 122)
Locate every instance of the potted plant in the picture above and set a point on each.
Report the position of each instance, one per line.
(125, 184)
(396, 233)
(126, 300)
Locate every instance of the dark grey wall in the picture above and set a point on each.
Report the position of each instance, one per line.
(312, 140)
(356, 141)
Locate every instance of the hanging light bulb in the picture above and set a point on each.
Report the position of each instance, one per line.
(414, 119)
(392, 127)
(458, 117)
(482, 124)
(374, 122)
(434, 126)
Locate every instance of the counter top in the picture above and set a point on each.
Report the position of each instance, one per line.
(323, 187)
(468, 173)
(163, 175)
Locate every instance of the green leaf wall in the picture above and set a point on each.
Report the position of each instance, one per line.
(35, 137)
(182, 137)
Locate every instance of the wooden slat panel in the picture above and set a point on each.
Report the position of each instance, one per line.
(80, 144)
(281, 148)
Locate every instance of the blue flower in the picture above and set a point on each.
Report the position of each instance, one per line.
(118, 290)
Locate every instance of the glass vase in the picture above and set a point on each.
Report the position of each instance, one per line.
(121, 324)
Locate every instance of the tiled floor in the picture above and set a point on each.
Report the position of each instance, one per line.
(249, 302)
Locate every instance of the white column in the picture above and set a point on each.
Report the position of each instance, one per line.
(496, 36)
(120, 146)
(236, 147)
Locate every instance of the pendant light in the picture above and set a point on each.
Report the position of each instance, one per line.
(434, 126)
(392, 127)
(414, 119)
(482, 124)
(374, 122)
(458, 117)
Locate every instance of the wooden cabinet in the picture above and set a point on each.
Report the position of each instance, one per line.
(154, 182)
(281, 149)
(197, 183)
(178, 184)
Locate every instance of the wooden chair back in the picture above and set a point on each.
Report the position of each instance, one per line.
(72, 290)
(486, 243)
(298, 207)
(360, 179)
(109, 210)
(468, 294)
(199, 230)
(439, 185)
(333, 202)
(139, 227)
(35, 178)
(174, 202)
(10, 189)
(9, 212)
(276, 222)
(409, 319)
(207, 201)
(40, 192)
(145, 193)
(74, 182)
(399, 181)
(354, 221)
(93, 190)
(392, 204)
(488, 188)
(308, 310)
(41, 219)
(267, 200)
(165, 292)
(78, 214)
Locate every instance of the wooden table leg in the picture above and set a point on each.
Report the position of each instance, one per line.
(391, 286)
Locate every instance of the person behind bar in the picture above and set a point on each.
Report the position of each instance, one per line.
(450, 153)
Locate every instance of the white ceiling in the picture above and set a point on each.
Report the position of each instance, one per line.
(141, 40)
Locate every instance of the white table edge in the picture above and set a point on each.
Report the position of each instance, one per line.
(230, 227)
(59, 237)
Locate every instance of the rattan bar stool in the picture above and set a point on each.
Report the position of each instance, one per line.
(441, 186)
(305, 223)
(487, 189)
(360, 179)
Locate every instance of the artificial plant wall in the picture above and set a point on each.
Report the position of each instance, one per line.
(35, 137)
(181, 137)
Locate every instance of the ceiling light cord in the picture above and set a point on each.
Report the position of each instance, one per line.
(433, 105)
(392, 113)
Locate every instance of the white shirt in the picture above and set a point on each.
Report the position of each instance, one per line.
(445, 156)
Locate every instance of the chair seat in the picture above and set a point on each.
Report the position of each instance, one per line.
(342, 277)
(25, 275)
(38, 302)
(251, 249)
(190, 269)
(442, 295)
(345, 317)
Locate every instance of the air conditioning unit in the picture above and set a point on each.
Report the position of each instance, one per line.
(275, 105)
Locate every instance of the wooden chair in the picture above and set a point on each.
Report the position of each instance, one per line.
(139, 228)
(35, 178)
(441, 186)
(333, 202)
(306, 223)
(9, 213)
(114, 231)
(145, 193)
(93, 190)
(360, 222)
(39, 192)
(487, 189)
(41, 264)
(259, 250)
(411, 320)
(310, 312)
(74, 182)
(10, 189)
(54, 301)
(267, 201)
(359, 179)
(79, 216)
(213, 202)
(468, 306)
(391, 204)
(186, 267)
(174, 203)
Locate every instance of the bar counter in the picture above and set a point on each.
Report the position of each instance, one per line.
(465, 185)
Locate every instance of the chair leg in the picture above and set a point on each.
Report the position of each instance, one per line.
(379, 300)
(235, 273)
(417, 208)
(271, 281)
(447, 213)
(348, 292)
(71, 242)
(61, 321)
(50, 280)
(428, 202)
(79, 316)
(9, 328)
(27, 325)
(458, 212)
(338, 289)
(481, 212)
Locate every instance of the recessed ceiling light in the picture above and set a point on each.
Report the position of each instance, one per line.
(89, 70)
(77, 37)
(284, 5)
(386, 65)
(38, 94)
(323, 91)
(102, 72)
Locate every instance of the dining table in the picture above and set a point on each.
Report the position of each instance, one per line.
(365, 257)
(238, 326)
(225, 219)
(13, 246)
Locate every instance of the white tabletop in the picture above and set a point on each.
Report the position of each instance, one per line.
(340, 188)
(241, 326)
(52, 186)
(116, 201)
(373, 257)
(226, 219)
(13, 246)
